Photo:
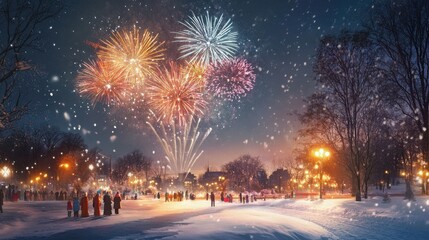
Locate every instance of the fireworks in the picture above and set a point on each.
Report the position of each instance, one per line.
(207, 40)
(196, 72)
(137, 54)
(174, 96)
(182, 148)
(101, 83)
(230, 79)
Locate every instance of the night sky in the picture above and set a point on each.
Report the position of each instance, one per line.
(279, 38)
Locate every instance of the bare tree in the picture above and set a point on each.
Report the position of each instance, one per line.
(147, 167)
(401, 29)
(408, 146)
(50, 139)
(71, 142)
(375, 141)
(130, 163)
(242, 173)
(347, 69)
(19, 24)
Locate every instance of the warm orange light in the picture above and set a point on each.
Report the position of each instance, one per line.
(64, 165)
(5, 172)
(322, 153)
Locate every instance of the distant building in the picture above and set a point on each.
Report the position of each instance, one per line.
(213, 181)
(189, 180)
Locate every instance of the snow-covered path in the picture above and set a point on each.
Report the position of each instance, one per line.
(271, 219)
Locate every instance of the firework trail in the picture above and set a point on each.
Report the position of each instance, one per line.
(230, 79)
(100, 83)
(181, 148)
(207, 39)
(174, 96)
(137, 54)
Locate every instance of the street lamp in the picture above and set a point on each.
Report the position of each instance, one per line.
(5, 172)
(321, 154)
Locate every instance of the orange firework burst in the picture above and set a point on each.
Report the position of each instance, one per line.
(137, 54)
(100, 83)
(196, 72)
(174, 95)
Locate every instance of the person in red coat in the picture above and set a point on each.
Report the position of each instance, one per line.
(84, 206)
(117, 203)
(96, 203)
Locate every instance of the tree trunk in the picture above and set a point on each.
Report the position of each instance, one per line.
(409, 195)
(425, 150)
(366, 189)
(354, 187)
(358, 188)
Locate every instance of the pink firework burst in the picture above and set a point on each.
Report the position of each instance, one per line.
(230, 79)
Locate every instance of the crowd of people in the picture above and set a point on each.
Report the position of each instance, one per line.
(175, 196)
(224, 197)
(13, 193)
(76, 205)
(79, 205)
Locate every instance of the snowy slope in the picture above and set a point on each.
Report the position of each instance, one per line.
(272, 219)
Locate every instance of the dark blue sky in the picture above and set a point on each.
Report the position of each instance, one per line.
(278, 37)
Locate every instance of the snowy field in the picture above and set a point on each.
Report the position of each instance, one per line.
(271, 219)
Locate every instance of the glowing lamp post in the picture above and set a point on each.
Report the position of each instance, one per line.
(5, 172)
(321, 154)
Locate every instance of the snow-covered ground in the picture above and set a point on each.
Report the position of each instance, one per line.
(271, 219)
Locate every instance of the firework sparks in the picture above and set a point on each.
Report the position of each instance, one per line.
(174, 96)
(196, 72)
(230, 79)
(207, 40)
(181, 148)
(137, 54)
(100, 83)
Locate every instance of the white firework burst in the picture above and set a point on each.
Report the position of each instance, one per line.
(207, 39)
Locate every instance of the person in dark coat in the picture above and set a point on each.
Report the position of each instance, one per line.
(84, 206)
(117, 203)
(207, 196)
(96, 203)
(212, 199)
(221, 197)
(1, 200)
(75, 207)
(107, 204)
(158, 195)
(240, 196)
